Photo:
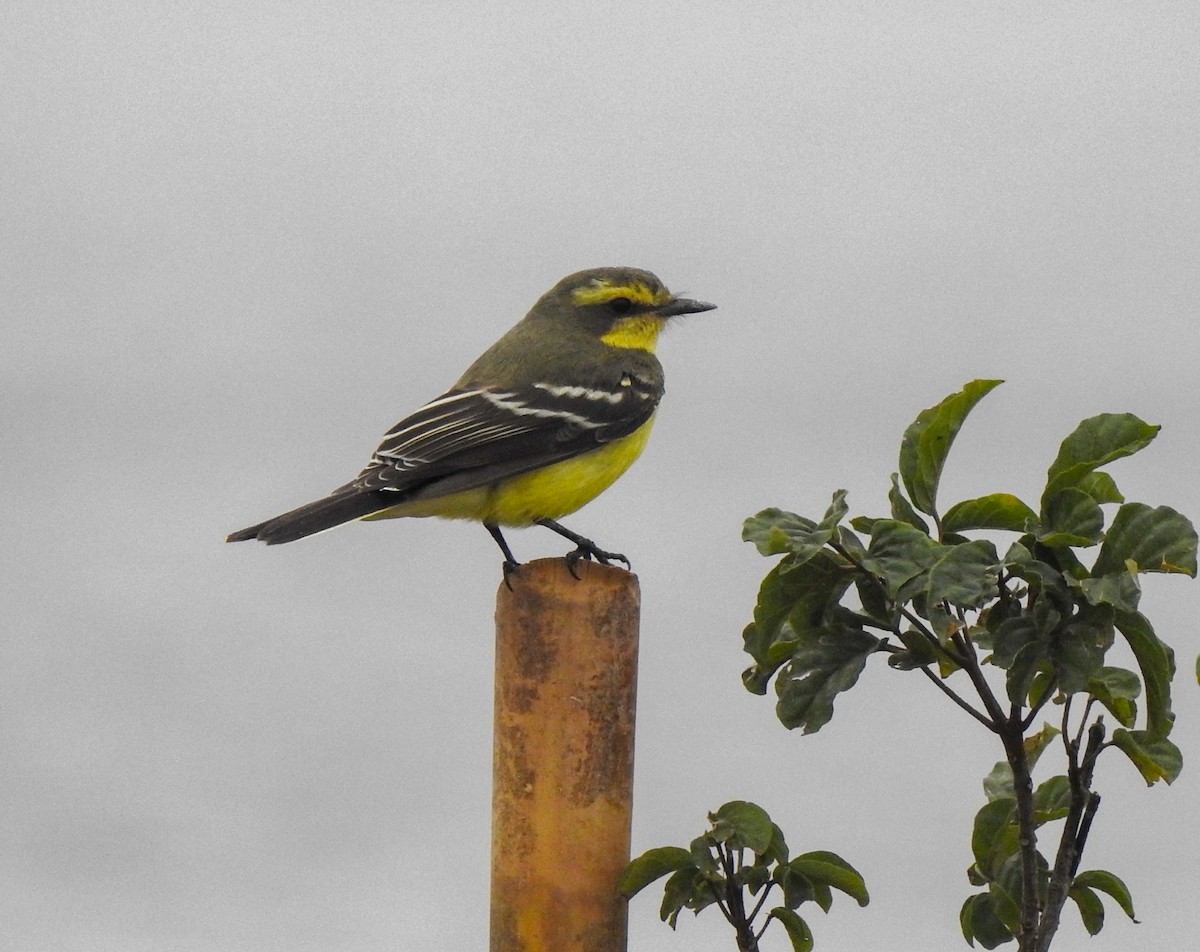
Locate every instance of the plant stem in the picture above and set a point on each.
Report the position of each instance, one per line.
(970, 664)
(1014, 748)
(945, 689)
(1076, 827)
(734, 900)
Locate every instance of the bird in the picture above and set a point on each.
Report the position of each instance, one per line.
(541, 423)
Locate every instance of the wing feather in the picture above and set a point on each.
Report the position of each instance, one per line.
(473, 437)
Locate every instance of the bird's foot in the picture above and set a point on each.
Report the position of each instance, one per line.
(509, 567)
(586, 549)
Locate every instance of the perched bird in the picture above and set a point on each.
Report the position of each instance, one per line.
(543, 422)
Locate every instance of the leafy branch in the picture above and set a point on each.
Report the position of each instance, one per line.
(1003, 636)
(735, 865)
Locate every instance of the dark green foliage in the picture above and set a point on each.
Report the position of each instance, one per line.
(741, 860)
(1004, 631)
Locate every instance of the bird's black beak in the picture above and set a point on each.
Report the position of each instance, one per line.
(682, 306)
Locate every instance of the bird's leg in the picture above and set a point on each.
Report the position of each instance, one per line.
(584, 548)
(510, 564)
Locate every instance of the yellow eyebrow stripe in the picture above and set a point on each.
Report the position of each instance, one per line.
(598, 292)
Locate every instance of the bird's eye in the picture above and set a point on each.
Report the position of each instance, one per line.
(620, 305)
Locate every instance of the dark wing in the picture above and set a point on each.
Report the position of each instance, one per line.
(473, 437)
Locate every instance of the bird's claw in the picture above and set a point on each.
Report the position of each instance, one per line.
(509, 567)
(589, 552)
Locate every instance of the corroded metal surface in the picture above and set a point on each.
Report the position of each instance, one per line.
(566, 681)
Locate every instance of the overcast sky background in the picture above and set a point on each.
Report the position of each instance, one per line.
(239, 241)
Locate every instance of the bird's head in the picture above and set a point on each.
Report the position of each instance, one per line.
(624, 307)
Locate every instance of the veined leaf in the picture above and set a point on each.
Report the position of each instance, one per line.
(743, 824)
(1100, 486)
(821, 668)
(797, 929)
(774, 532)
(928, 439)
(980, 923)
(997, 511)
(1091, 909)
(1156, 661)
(1052, 799)
(1155, 539)
(966, 575)
(1096, 441)
(1119, 589)
(1155, 758)
(821, 866)
(1070, 517)
(792, 601)
(1108, 883)
(994, 837)
(899, 553)
(652, 865)
(902, 510)
(1117, 689)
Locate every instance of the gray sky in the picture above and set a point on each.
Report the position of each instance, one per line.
(240, 241)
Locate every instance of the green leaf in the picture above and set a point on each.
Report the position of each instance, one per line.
(702, 850)
(1010, 637)
(928, 439)
(651, 865)
(1156, 661)
(1036, 744)
(967, 575)
(821, 668)
(1155, 758)
(1052, 799)
(1100, 486)
(823, 896)
(778, 850)
(873, 598)
(994, 836)
(836, 512)
(1042, 683)
(980, 923)
(796, 928)
(743, 825)
(1117, 690)
(920, 651)
(1042, 577)
(1026, 666)
(998, 784)
(753, 876)
(685, 889)
(1157, 539)
(792, 601)
(1070, 517)
(1091, 909)
(821, 866)
(1096, 441)
(774, 531)
(1108, 883)
(797, 889)
(1078, 649)
(1118, 589)
(996, 511)
(899, 553)
(902, 510)
(1005, 891)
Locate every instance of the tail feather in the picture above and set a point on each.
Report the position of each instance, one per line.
(316, 517)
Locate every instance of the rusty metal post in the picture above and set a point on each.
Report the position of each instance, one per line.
(562, 784)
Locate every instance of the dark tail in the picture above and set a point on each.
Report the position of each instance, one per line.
(316, 517)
